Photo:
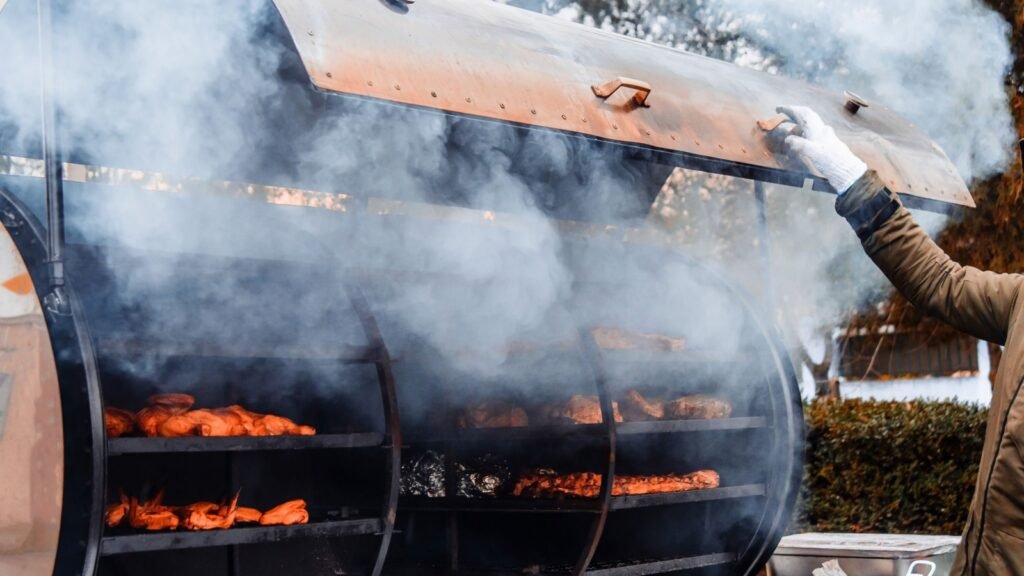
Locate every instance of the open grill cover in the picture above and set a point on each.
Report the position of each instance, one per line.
(493, 61)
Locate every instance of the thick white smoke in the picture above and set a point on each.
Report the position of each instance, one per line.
(940, 63)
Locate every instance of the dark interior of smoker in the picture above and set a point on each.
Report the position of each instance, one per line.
(291, 338)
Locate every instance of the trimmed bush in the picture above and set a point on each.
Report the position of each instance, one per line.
(902, 467)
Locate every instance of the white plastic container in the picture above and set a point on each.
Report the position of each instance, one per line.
(865, 554)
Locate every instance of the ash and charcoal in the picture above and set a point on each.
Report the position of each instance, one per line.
(482, 476)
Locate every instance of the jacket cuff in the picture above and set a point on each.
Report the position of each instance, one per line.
(867, 205)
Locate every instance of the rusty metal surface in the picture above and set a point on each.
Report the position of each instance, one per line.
(493, 61)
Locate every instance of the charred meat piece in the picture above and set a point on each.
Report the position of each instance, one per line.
(423, 475)
(493, 415)
(581, 410)
(697, 407)
(116, 513)
(152, 515)
(636, 408)
(175, 403)
(549, 484)
(619, 339)
(118, 422)
(291, 512)
(484, 476)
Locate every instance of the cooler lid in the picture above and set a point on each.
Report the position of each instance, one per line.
(497, 62)
(866, 545)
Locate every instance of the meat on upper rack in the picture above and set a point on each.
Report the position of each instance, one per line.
(118, 422)
(170, 416)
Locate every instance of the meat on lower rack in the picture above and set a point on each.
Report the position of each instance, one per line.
(550, 484)
(154, 515)
(209, 516)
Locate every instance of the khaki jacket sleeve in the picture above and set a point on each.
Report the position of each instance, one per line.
(975, 302)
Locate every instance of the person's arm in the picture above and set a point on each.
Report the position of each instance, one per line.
(972, 301)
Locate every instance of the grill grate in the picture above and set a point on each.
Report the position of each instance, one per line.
(129, 543)
(119, 446)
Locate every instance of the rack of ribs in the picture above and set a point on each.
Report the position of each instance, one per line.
(545, 483)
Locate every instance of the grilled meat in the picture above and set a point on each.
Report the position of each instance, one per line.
(618, 339)
(175, 403)
(636, 408)
(118, 422)
(291, 512)
(245, 515)
(152, 515)
(271, 425)
(697, 407)
(215, 423)
(116, 513)
(544, 483)
(209, 516)
(237, 417)
(493, 415)
(150, 418)
(581, 410)
(168, 416)
(176, 426)
(636, 485)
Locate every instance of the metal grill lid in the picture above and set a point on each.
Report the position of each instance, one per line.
(502, 63)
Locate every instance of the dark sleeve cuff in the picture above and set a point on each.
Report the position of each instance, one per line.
(867, 205)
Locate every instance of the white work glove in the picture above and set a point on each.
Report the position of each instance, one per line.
(820, 147)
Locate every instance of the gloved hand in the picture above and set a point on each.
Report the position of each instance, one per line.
(820, 147)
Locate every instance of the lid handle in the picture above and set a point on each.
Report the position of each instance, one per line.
(606, 90)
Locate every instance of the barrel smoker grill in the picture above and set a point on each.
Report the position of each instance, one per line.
(349, 471)
(299, 317)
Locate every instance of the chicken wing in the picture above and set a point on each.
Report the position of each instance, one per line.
(116, 513)
(247, 515)
(209, 516)
(291, 512)
(152, 515)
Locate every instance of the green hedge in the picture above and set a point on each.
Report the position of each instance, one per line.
(904, 467)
